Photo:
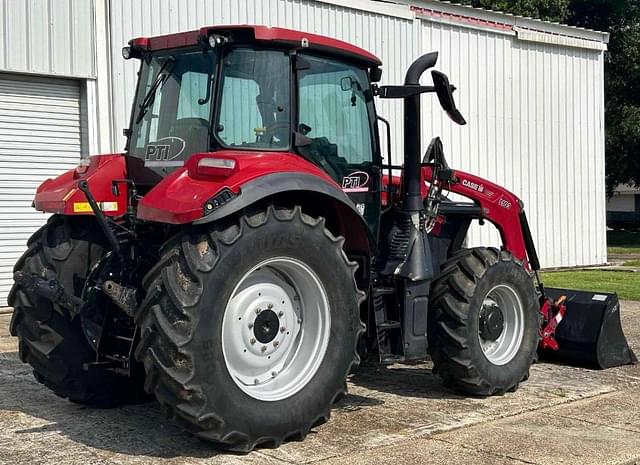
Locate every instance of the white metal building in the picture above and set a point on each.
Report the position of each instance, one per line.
(531, 91)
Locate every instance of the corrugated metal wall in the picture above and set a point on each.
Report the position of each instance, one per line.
(40, 138)
(54, 37)
(534, 110)
(535, 125)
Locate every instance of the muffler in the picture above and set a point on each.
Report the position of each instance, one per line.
(590, 333)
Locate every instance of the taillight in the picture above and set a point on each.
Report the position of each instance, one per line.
(83, 166)
(216, 167)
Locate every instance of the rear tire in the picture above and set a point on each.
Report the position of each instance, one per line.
(49, 339)
(207, 286)
(468, 353)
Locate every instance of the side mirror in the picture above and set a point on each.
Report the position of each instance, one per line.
(444, 91)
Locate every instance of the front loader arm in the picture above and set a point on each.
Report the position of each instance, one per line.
(499, 206)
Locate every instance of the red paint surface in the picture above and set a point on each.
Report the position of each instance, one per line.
(552, 315)
(499, 206)
(181, 196)
(59, 194)
(261, 33)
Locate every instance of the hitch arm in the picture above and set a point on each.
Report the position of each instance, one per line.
(102, 220)
(49, 289)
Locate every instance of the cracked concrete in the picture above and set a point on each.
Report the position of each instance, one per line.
(401, 413)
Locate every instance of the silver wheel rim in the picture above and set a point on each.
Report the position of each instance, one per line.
(502, 350)
(282, 366)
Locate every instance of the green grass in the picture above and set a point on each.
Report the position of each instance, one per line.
(624, 250)
(623, 242)
(626, 284)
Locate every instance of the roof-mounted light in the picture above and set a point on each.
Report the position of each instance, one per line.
(216, 40)
(126, 53)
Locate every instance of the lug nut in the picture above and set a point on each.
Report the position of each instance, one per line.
(274, 374)
(280, 313)
(263, 348)
(270, 306)
(258, 311)
(253, 340)
(250, 325)
(276, 343)
(282, 329)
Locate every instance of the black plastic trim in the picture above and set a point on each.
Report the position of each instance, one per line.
(528, 242)
(466, 209)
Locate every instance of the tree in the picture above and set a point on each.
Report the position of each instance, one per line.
(548, 10)
(621, 18)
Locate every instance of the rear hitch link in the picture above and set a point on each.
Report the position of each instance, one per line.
(123, 296)
(102, 221)
(49, 289)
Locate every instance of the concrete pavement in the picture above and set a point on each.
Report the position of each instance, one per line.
(562, 415)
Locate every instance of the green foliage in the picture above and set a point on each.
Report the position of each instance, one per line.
(548, 10)
(621, 18)
(623, 242)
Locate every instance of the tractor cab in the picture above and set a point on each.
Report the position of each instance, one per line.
(232, 91)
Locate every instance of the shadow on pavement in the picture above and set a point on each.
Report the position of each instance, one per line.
(132, 430)
(417, 381)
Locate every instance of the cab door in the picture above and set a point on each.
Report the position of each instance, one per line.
(336, 122)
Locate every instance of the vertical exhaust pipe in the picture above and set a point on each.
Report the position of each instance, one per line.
(412, 134)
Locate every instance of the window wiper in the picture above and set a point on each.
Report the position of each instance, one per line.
(150, 97)
(210, 77)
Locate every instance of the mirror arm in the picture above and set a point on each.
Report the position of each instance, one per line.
(402, 91)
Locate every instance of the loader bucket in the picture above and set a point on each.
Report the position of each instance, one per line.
(590, 333)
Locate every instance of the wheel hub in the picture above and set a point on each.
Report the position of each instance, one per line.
(501, 324)
(491, 323)
(266, 326)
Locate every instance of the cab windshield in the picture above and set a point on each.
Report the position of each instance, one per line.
(172, 109)
(174, 106)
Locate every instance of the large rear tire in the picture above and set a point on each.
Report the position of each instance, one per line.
(484, 322)
(249, 329)
(49, 338)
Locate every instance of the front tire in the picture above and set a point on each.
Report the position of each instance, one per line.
(249, 330)
(484, 322)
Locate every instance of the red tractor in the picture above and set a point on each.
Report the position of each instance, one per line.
(250, 245)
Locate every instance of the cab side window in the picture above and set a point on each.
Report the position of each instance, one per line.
(333, 112)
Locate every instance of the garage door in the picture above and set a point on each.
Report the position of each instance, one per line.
(40, 138)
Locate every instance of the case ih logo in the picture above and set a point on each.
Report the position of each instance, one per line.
(355, 182)
(163, 150)
(473, 185)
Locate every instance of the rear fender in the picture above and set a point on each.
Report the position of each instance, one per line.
(314, 195)
(184, 197)
(61, 195)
